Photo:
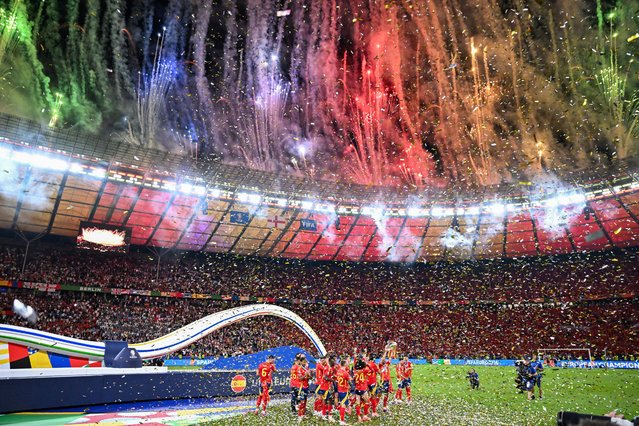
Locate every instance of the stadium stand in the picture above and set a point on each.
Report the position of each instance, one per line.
(488, 310)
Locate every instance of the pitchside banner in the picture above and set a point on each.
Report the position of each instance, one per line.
(622, 364)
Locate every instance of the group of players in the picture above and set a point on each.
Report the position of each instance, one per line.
(341, 383)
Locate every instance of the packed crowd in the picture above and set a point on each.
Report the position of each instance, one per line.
(553, 299)
(567, 278)
(463, 331)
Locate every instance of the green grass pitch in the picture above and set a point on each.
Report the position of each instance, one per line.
(442, 397)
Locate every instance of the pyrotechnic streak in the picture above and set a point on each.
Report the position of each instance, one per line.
(9, 34)
(123, 82)
(622, 108)
(152, 91)
(55, 114)
(600, 25)
(553, 38)
(399, 87)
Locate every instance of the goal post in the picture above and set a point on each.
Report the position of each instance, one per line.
(541, 353)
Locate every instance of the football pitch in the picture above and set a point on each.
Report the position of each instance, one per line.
(441, 396)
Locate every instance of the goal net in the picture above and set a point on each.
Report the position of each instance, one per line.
(573, 354)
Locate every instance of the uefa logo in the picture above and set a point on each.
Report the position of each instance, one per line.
(238, 383)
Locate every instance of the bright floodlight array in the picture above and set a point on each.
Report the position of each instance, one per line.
(199, 188)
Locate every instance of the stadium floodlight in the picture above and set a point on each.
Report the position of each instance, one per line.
(42, 161)
(326, 208)
(496, 209)
(416, 212)
(169, 185)
(472, 211)
(437, 211)
(76, 168)
(249, 198)
(551, 202)
(374, 212)
(215, 193)
(185, 188)
(307, 205)
(577, 198)
(254, 198)
(198, 190)
(22, 157)
(512, 208)
(100, 173)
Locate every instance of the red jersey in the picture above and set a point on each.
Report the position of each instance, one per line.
(319, 373)
(384, 371)
(408, 370)
(304, 375)
(343, 380)
(361, 379)
(265, 371)
(399, 371)
(295, 376)
(328, 377)
(372, 372)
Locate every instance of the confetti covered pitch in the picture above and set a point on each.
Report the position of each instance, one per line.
(443, 398)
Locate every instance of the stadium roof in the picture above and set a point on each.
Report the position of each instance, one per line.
(52, 180)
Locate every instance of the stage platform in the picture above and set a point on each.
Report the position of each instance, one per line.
(61, 388)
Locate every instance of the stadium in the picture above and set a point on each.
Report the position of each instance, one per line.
(259, 213)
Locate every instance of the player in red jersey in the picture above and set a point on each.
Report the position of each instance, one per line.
(408, 377)
(326, 388)
(296, 383)
(372, 384)
(303, 375)
(361, 389)
(319, 373)
(343, 380)
(399, 376)
(386, 386)
(404, 379)
(265, 373)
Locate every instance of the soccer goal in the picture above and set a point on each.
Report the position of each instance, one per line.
(587, 355)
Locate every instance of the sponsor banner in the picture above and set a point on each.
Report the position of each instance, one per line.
(182, 362)
(308, 225)
(622, 364)
(86, 289)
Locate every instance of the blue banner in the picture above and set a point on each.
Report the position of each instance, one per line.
(284, 357)
(622, 364)
(239, 217)
(308, 225)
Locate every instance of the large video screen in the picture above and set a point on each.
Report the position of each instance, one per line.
(99, 237)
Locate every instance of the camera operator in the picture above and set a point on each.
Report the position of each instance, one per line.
(520, 380)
